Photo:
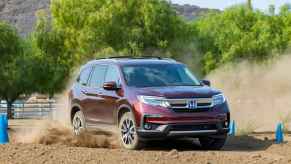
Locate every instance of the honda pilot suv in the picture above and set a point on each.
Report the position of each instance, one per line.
(148, 99)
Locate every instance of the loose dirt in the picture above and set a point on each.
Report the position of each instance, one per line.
(57, 145)
(47, 133)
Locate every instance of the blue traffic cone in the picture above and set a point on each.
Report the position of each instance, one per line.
(232, 128)
(6, 120)
(279, 134)
(3, 130)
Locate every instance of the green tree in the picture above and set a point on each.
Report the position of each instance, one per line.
(237, 34)
(16, 78)
(55, 61)
(285, 15)
(127, 26)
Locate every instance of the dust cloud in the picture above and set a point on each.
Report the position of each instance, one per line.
(49, 133)
(57, 130)
(259, 95)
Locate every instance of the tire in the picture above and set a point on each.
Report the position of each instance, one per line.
(212, 143)
(127, 132)
(78, 123)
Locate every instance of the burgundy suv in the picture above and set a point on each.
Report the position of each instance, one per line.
(148, 98)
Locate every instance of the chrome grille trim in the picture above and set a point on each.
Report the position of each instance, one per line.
(182, 103)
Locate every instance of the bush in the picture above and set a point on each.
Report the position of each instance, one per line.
(241, 33)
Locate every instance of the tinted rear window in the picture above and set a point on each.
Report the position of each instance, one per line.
(84, 75)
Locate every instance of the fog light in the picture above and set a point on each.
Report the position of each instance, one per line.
(226, 124)
(148, 126)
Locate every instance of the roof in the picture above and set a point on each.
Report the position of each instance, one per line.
(133, 61)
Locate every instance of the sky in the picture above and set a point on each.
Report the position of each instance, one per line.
(222, 4)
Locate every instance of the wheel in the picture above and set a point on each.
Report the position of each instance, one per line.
(79, 124)
(127, 130)
(212, 143)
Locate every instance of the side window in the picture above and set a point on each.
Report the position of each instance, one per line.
(98, 75)
(84, 75)
(112, 74)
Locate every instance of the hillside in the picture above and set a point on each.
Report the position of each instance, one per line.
(21, 13)
(191, 12)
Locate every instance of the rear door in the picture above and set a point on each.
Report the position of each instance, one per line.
(82, 86)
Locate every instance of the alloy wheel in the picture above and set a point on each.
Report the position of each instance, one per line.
(128, 131)
(77, 125)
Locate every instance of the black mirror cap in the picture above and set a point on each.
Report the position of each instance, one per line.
(111, 86)
(206, 82)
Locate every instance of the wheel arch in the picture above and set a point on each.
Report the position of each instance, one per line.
(121, 110)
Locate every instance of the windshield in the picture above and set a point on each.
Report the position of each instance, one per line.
(158, 75)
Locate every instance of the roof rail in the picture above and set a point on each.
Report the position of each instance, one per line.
(134, 57)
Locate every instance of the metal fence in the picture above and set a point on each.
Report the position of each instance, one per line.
(30, 109)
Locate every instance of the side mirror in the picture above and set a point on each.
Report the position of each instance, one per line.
(206, 82)
(110, 86)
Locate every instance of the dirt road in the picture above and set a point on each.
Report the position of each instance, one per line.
(256, 148)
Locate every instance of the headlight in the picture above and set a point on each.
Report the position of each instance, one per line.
(218, 99)
(155, 101)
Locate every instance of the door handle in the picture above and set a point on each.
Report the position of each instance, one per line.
(84, 92)
(100, 93)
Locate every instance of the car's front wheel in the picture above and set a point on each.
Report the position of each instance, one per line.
(213, 143)
(78, 123)
(127, 130)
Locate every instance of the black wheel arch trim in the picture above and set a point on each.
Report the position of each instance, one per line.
(121, 107)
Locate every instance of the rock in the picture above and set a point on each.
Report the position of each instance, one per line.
(2, 5)
(266, 139)
(256, 156)
(173, 153)
(156, 158)
(21, 13)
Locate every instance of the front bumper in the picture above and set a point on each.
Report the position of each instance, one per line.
(167, 123)
(186, 130)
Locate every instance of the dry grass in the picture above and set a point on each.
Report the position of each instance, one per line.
(247, 128)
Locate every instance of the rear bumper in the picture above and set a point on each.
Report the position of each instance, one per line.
(165, 131)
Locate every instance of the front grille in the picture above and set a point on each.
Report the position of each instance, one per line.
(193, 127)
(204, 104)
(187, 110)
(181, 105)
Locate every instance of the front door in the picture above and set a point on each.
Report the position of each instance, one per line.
(94, 94)
(103, 103)
(111, 97)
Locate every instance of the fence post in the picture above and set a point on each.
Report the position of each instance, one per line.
(23, 114)
(41, 109)
(50, 108)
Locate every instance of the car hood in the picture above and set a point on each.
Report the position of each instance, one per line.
(179, 92)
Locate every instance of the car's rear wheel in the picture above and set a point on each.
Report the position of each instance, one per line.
(212, 143)
(127, 130)
(78, 123)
